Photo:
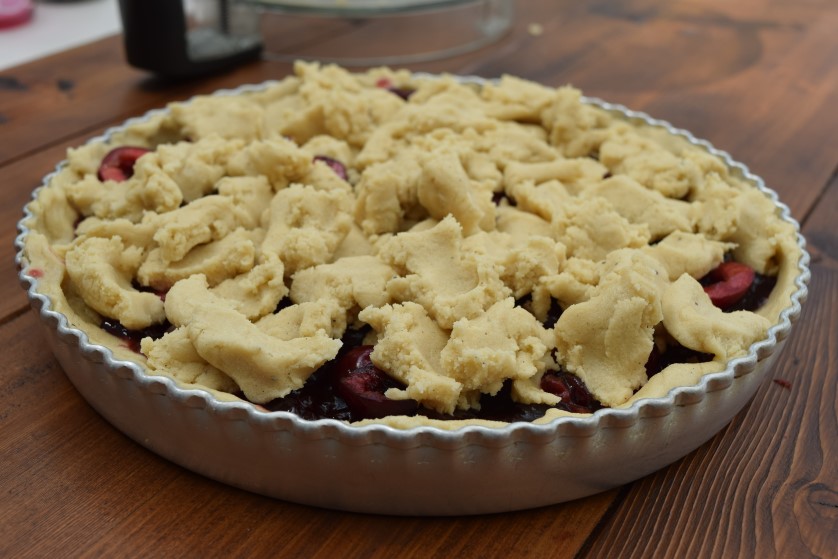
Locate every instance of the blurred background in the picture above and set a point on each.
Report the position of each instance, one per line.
(55, 25)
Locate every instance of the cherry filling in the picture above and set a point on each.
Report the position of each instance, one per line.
(733, 286)
(498, 197)
(674, 353)
(132, 337)
(727, 283)
(351, 388)
(553, 313)
(317, 399)
(403, 92)
(118, 164)
(497, 407)
(336, 166)
(757, 294)
(362, 385)
(574, 394)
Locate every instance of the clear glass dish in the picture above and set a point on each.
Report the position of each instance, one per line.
(378, 32)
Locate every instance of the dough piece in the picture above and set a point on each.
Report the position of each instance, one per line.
(263, 366)
(408, 348)
(386, 193)
(358, 281)
(758, 236)
(438, 275)
(591, 229)
(219, 260)
(691, 318)
(505, 342)
(521, 224)
(546, 200)
(576, 129)
(256, 292)
(279, 160)
(330, 147)
(677, 374)
(334, 102)
(250, 195)
(354, 244)
(687, 253)
(210, 218)
(715, 208)
(650, 164)
(607, 339)
(640, 205)
(89, 190)
(522, 261)
(445, 189)
(509, 143)
(135, 234)
(150, 189)
(232, 117)
(196, 166)
(54, 215)
(575, 175)
(305, 226)
(573, 284)
(305, 320)
(515, 99)
(174, 355)
(101, 270)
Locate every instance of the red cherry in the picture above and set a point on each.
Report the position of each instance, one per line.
(728, 283)
(118, 164)
(132, 338)
(574, 394)
(362, 385)
(336, 166)
(403, 92)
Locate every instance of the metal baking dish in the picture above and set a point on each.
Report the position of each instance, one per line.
(420, 471)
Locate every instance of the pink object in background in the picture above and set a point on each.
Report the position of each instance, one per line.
(15, 12)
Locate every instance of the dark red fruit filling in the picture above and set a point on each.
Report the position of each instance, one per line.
(674, 353)
(336, 166)
(498, 197)
(500, 407)
(348, 388)
(161, 293)
(403, 92)
(553, 314)
(118, 164)
(733, 286)
(284, 303)
(132, 337)
(362, 386)
(574, 394)
(315, 400)
(351, 388)
(757, 294)
(727, 283)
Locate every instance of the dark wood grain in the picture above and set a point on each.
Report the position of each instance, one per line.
(756, 77)
(765, 486)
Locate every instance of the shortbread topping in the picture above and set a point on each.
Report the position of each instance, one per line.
(494, 240)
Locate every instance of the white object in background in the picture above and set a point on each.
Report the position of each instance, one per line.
(56, 27)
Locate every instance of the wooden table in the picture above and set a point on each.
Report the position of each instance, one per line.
(758, 78)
